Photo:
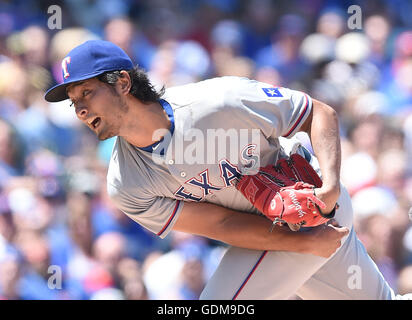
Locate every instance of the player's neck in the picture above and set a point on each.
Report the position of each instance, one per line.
(143, 123)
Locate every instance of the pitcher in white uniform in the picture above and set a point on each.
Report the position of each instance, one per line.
(171, 170)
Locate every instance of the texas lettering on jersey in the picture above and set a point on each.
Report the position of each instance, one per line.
(229, 173)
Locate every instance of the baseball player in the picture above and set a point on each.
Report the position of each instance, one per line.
(171, 170)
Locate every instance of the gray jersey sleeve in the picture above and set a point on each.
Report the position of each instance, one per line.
(157, 214)
(277, 111)
(131, 188)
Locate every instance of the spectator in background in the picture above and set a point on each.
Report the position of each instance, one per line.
(33, 282)
(405, 280)
(13, 90)
(392, 170)
(10, 274)
(193, 279)
(79, 248)
(375, 231)
(130, 277)
(396, 81)
(138, 241)
(283, 52)
(108, 250)
(260, 18)
(126, 35)
(377, 29)
(10, 153)
(7, 225)
(182, 272)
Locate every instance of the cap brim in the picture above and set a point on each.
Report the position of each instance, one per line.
(58, 92)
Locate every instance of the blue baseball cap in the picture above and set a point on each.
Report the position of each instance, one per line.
(86, 61)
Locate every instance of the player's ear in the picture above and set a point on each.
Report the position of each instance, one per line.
(124, 82)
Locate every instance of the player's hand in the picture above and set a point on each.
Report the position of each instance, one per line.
(329, 196)
(324, 240)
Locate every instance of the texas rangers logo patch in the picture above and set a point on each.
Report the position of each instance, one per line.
(272, 92)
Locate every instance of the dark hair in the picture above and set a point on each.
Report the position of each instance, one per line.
(141, 87)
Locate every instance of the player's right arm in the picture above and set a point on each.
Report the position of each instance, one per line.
(251, 231)
(245, 230)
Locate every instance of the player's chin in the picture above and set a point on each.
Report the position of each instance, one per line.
(104, 133)
(103, 137)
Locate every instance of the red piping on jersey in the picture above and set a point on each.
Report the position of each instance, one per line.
(250, 274)
(300, 118)
(170, 219)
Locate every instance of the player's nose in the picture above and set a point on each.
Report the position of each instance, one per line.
(81, 112)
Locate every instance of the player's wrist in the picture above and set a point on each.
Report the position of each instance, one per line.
(329, 195)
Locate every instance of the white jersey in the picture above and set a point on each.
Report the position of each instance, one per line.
(152, 188)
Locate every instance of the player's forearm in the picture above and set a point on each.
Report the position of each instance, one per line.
(250, 231)
(324, 135)
(235, 228)
(254, 232)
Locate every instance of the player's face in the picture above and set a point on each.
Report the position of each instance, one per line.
(99, 106)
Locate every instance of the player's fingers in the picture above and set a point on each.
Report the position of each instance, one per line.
(293, 226)
(333, 222)
(342, 230)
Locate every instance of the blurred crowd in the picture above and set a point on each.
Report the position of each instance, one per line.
(61, 238)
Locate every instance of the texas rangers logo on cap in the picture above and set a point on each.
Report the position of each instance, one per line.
(65, 62)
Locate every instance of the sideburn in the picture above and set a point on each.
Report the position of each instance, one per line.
(121, 103)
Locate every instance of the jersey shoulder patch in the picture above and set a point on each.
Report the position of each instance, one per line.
(272, 92)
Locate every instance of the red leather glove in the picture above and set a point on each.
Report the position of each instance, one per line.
(282, 194)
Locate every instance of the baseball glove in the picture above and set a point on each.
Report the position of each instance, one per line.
(285, 193)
